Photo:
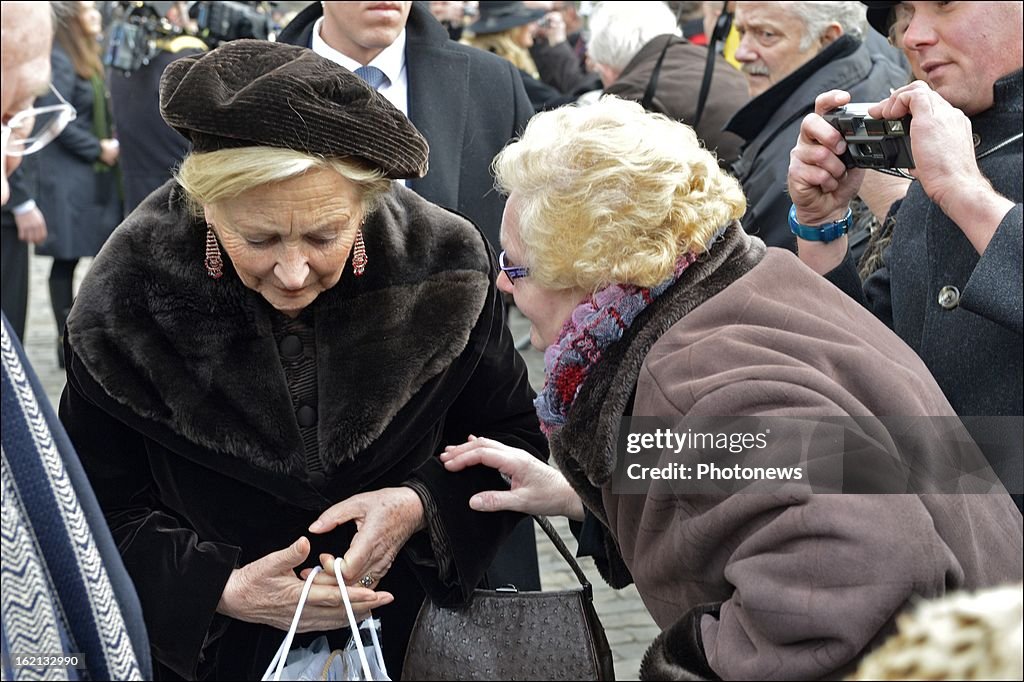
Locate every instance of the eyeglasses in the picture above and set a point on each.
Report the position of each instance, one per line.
(513, 272)
(33, 128)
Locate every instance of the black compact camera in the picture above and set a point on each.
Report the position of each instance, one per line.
(872, 142)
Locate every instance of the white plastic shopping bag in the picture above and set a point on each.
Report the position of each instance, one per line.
(317, 661)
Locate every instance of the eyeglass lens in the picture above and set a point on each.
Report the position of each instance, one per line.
(35, 130)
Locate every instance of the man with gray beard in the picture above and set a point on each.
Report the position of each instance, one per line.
(791, 52)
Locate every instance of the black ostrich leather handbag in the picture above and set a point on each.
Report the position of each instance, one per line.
(511, 635)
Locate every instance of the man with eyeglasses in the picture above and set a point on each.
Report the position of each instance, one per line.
(65, 599)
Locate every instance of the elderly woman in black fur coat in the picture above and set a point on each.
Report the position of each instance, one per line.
(267, 357)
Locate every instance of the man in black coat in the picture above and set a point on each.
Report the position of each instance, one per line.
(791, 53)
(466, 102)
(950, 281)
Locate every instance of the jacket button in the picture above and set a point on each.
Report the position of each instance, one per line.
(306, 416)
(976, 138)
(291, 347)
(949, 297)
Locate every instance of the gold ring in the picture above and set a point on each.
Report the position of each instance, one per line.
(366, 580)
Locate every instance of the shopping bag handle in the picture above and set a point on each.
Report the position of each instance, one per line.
(352, 619)
(281, 657)
(282, 651)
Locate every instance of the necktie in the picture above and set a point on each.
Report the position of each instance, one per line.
(373, 76)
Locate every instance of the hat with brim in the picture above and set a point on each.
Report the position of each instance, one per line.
(250, 93)
(496, 17)
(880, 15)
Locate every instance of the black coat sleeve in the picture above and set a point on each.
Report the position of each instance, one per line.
(179, 577)
(497, 402)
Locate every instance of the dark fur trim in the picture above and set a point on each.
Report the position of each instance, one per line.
(678, 652)
(584, 448)
(198, 355)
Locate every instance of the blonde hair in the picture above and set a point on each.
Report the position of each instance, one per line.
(210, 177)
(505, 46)
(612, 194)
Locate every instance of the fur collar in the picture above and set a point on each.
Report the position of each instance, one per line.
(198, 356)
(585, 448)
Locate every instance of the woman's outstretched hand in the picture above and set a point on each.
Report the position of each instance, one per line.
(536, 487)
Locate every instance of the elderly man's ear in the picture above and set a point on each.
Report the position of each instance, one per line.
(831, 35)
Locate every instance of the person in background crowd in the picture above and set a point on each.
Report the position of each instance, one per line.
(21, 224)
(626, 41)
(451, 15)
(79, 182)
(623, 249)
(150, 149)
(468, 105)
(951, 282)
(63, 589)
(791, 52)
(506, 29)
(559, 50)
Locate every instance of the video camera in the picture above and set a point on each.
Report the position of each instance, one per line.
(136, 28)
(872, 142)
(220, 22)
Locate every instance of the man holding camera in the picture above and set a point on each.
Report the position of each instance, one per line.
(950, 283)
(790, 52)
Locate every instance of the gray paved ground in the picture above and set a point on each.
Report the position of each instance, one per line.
(628, 625)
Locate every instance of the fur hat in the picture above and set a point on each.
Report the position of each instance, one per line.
(257, 93)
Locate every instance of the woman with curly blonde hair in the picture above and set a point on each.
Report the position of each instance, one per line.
(623, 249)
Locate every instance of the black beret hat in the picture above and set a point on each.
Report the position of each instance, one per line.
(257, 93)
(878, 15)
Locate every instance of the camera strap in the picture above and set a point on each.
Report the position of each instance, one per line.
(652, 84)
(720, 33)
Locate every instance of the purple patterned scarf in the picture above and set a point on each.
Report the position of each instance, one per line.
(594, 325)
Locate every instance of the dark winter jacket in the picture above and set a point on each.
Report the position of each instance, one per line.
(178, 406)
(973, 343)
(82, 206)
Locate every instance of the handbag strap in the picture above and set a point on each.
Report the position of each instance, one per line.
(556, 540)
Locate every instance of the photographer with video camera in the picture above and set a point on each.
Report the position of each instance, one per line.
(950, 281)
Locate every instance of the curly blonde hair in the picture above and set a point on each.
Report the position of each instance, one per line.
(210, 177)
(612, 194)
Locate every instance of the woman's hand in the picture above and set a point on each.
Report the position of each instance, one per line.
(110, 150)
(536, 487)
(266, 591)
(385, 520)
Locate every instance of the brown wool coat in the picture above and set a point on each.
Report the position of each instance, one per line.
(773, 586)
